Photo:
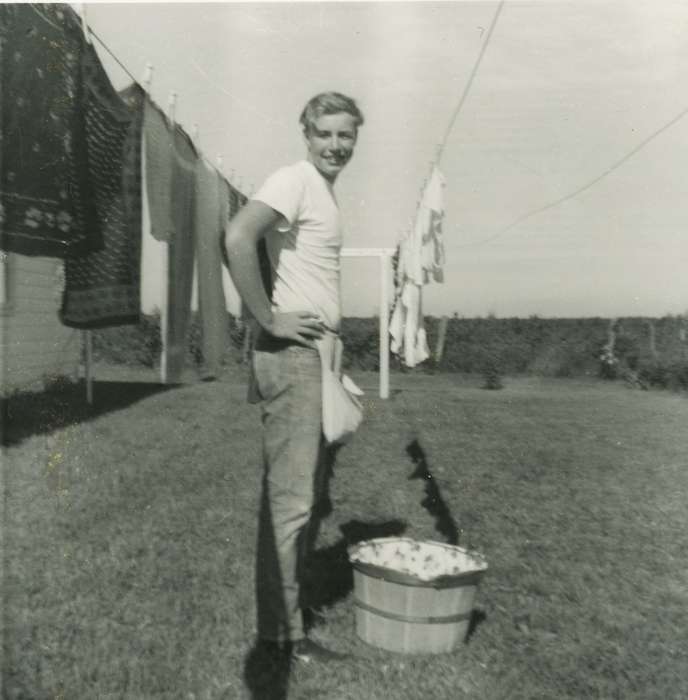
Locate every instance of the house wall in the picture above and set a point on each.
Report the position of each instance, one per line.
(34, 345)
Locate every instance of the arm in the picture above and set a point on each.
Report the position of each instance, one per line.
(251, 224)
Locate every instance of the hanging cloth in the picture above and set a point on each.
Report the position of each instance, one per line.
(420, 259)
(235, 201)
(211, 297)
(46, 199)
(432, 239)
(153, 251)
(231, 201)
(159, 139)
(408, 337)
(103, 288)
(225, 216)
(180, 256)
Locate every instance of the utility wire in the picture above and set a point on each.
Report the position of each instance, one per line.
(440, 148)
(92, 33)
(107, 48)
(582, 188)
(469, 83)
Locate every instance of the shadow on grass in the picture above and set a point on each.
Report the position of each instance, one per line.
(266, 672)
(433, 501)
(324, 577)
(36, 413)
(478, 616)
(444, 522)
(329, 577)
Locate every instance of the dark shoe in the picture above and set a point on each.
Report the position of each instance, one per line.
(266, 670)
(306, 650)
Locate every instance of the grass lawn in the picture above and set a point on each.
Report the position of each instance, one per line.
(129, 535)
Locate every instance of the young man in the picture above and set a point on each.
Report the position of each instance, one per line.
(296, 213)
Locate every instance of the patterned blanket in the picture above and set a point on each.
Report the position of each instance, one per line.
(46, 199)
(103, 288)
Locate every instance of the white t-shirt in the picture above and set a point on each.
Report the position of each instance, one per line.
(304, 250)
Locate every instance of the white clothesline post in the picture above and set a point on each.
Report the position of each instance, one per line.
(384, 255)
(87, 340)
(384, 325)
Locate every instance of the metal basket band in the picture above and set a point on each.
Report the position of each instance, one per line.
(446, 620)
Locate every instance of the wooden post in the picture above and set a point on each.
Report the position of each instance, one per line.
(385, 256)
(248, 339)
(441, 336)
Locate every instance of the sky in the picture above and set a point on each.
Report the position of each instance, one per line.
(571, 96)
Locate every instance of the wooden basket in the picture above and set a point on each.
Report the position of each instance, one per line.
(401, 612)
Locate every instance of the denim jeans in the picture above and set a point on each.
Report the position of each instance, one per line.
(288, 379)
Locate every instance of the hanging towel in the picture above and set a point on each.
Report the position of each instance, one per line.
(408, 337)
(432, 241)
(103, 288)
(154, 252)
(159, 162)
(46, 201)
(180, 256)
(211, 297)
(420, 258)
(342, 411)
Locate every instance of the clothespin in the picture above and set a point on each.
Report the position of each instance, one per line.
(194, 132)
(172, 106)
(219, 162)
(84, 22)
(230, 177)
(148, 77)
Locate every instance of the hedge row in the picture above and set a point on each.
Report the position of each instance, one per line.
(652, 350)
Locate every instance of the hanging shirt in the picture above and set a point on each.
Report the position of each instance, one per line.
(304, 250)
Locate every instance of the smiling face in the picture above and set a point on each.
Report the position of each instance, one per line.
(330, 140)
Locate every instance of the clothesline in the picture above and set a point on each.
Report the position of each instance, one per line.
(146, 87)
(420, 251)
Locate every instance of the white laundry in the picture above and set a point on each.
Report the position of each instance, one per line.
(421, 258)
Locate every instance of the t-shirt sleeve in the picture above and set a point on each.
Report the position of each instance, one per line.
(283, 191)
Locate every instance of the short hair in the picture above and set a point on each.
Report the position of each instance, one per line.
(329, 103)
